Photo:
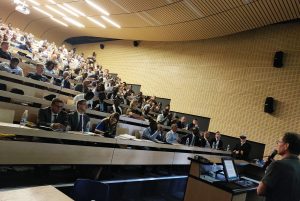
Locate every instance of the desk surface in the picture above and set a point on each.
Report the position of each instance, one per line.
(34, 132)
(40, 193)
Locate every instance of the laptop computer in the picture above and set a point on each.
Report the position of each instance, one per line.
(232, 176)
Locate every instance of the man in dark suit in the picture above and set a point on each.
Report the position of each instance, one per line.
(53, 116)
(217, 142)
(242, 149)
(79, 121)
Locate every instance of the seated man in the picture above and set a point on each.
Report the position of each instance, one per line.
(88, 97)
(154, 132)
(242, 150)
(192, 137)
(108, 126)
(38, 75)
(12, 67)
(4, 53)
(133, 111)
(165, 118)
(217, 143)
(182, 123)
(193, 124)
(204, 141)
(53, 117)
(172, 136)
(64, 82)
(79, 121)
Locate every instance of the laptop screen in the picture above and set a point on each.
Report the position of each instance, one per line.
(229, 170)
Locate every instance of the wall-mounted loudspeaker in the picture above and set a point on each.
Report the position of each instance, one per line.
(136, 43)
(269, 105)
(101, 46)
(278, 59)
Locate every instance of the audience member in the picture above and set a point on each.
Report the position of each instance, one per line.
(133, 112)
(172, 136)
(4, 53)
(182, 123)
(154, 132)
(53, 116)
(65, 83)
(116, 106)
(38, 75)
(242, 150)
(108, 126)
(164, 118)
(12, 67)
(78, 120)
(217, 143)
(204, 141)
(87, 96)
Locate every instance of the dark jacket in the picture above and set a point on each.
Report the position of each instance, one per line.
(5, 55)
(44, 117)
(246, 148)
(37, 77)
(74, 122)
(220, 145)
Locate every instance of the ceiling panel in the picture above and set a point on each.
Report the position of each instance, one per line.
(158, 20)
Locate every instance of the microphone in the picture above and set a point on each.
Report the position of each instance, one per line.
(270, 159)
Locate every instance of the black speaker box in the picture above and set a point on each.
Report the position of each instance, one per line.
(269, 105)
(278, 59)
(136, 43)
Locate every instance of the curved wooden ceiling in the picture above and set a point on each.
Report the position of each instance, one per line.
(156, 20)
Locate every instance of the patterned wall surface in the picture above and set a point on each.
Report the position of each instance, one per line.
(225, 78)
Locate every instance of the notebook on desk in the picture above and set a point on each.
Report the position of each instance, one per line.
(232, 176)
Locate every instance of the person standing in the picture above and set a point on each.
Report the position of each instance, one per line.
(282, 179)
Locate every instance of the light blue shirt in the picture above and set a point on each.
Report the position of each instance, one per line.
(157, 135)
(6, 67)
(171, 137)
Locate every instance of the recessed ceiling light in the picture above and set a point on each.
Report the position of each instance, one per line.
(67, 10)
(111, 22)
(97, 7)
(42, 11)
(56, 11)
(34, 2)
(96, 22)
(74, 9)
(59, 22)
(74, 22)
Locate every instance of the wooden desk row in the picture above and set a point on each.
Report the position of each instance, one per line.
(85, 149)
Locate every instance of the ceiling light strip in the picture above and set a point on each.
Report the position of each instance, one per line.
(74, 22)
(96, 22)
(56, 11)
(111, 22)
(74, 9)
(42, 11)
(59, 22)
(67, 10)
(97, 7)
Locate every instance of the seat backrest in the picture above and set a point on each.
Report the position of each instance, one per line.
(87, 190)
(17, 91)
(7, 116)
(3, 87)
(121, 131)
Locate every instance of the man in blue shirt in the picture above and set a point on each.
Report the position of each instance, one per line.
(172, 136)
(154, 132)
(12, 67)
